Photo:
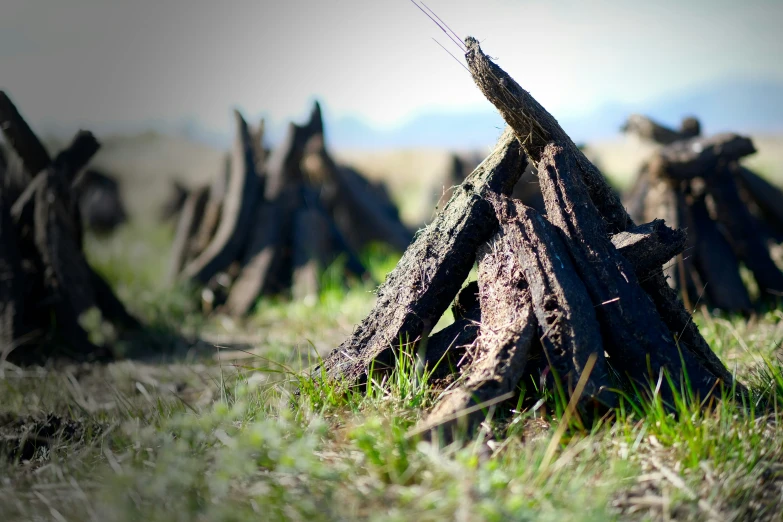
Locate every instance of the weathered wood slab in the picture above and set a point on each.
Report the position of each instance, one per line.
(649, 246)
(632, 329)
(508, 328)
(651, 130)
(237, 213)
(432, 269)
(694, 157)
(568, 328)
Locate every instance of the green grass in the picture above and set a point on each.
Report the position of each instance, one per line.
(227, 438)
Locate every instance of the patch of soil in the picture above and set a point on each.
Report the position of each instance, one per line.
(22, 437)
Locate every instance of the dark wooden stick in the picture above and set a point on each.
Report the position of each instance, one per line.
(767, 196)
(650, 130)
(568, 327)
(431, 271)
(237, 213)
(698, 156)
(716, 263)
(21, 137)
(648, 247)
(508, 330)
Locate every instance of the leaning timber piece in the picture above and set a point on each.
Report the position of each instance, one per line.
(238, 208)
(365, 214)
(691, 158)
(21, 138)
(431, 271)
(699, 185)
(189, 224)
(651, 130)
(264, 227)
(649, 246)
(508, 328)
(765, 195)
(12, 296)
(628, 317)
(536, 128)
(744, 230)
(41, 218)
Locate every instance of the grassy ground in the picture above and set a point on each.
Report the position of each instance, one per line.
(218, 434)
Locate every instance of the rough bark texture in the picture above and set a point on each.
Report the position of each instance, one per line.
(767, 196)
(648, 247)
(568, 327)
(432, 269)
(630, 323)
(21, 137)
(508, 328)
(535, 128)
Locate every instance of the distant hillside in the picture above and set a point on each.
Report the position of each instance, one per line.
(733, 105)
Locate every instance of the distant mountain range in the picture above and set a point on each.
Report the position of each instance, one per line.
(737, 106)
(745, 106)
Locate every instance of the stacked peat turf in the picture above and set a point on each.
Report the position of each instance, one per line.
(270, 222)
(580, 290)
(46, 284)
(731, 214)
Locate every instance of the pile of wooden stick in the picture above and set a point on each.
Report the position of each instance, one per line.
(578, 293)
(46, 284)
(731, 214)
(272, 221)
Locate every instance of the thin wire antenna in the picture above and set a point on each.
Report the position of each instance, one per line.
(446, 26)
(457, 42)
(450, 54)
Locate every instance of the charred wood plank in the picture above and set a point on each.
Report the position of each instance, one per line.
(698, 156)
(283, 168)
(21, 137)
(744, 231)
(632, 329)
(650, 130)
(237, 215)
(12, 295)
(767, 196)
(507, 331)
(649, 246)
(535, 128)
(261, 262)
(362, 213)
(209, 222)
(717, 264)
(527, 244)
(188, 225)
(431, 271)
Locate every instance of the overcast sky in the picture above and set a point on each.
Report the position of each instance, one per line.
(81, 61)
